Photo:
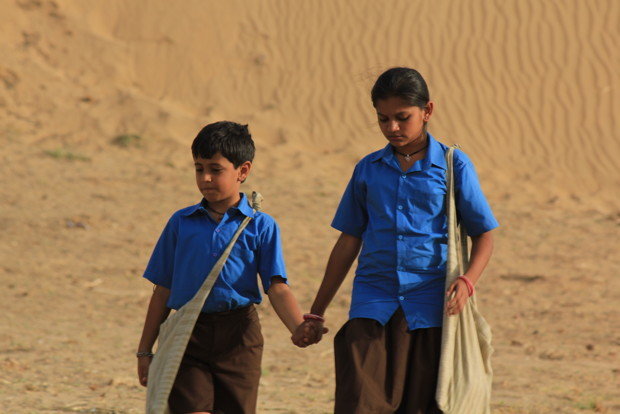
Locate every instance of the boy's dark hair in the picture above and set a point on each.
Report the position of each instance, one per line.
(230, 139)
(404, 83)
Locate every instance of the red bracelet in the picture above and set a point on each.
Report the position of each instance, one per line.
(312, 316)
(470, 286)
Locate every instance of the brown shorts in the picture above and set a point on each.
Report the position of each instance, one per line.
(386, 369)
(221, 367)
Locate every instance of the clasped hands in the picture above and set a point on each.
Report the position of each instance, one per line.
(309, 332)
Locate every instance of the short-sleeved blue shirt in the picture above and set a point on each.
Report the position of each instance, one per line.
(401, 219)
(192, 242)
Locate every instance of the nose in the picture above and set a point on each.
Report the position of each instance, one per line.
(392, 126)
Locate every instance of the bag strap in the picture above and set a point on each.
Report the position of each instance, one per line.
(454, 226)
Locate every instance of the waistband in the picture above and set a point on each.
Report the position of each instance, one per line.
(231, 315)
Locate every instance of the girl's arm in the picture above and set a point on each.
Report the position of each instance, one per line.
(155, 315)
(340, 260)
(481, 249)
(284, 303)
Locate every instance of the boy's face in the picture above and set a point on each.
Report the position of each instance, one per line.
(402, 124)
(218, 179)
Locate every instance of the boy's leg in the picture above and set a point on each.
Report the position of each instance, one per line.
(371, 365)
(193, 387)
(237, 367)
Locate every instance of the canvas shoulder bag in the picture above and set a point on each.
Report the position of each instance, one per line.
(465, 374)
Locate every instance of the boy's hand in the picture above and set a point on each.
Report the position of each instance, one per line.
(309, 332)
(143, 369)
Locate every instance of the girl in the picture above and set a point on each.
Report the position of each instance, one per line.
(393, 210)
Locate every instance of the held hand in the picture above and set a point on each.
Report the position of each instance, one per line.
(458, 294)
(143, 369)
(309, 332)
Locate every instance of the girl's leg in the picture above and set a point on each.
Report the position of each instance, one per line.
(423, 368)
(371, 365)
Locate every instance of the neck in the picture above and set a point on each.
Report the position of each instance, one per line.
(222, 205)
(415, 145)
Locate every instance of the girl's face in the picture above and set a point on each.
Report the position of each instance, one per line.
(402, 124)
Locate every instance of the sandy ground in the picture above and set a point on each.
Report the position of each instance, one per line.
(99, 101)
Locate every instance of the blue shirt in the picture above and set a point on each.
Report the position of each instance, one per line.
(192, 242)
(401, 219)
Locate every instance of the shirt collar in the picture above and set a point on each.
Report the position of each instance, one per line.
(434, 155)
(243, 206)
(386, 153)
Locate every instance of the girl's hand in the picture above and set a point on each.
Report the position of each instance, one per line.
(458, 294)
(143, 369)
(309, 332)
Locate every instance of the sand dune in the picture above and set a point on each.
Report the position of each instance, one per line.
(529, 89)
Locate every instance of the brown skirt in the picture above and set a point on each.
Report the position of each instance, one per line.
(386, 369)
(221, 368)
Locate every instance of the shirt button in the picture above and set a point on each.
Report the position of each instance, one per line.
(403, 176)
(400, 237)
(217, 230)
(401, 298)
(400, 207)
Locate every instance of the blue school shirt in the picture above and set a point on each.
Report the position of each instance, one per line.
(401, 219)
(191, 243)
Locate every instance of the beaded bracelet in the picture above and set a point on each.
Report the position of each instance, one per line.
(470, 286)
(312, 316)
(144, 354)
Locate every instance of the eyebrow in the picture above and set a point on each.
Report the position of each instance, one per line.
(398, 113)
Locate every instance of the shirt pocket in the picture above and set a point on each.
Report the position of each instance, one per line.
(241, 255)
(429, 196)
(427, 248)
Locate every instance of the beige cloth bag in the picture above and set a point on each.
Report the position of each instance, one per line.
(465, 374)
(174, 332)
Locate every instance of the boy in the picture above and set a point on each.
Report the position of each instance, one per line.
(220, 370)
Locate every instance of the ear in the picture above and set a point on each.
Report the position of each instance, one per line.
(428, 111)
(244, 171)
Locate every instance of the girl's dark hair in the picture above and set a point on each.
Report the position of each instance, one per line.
(230, 139)
(404, 83)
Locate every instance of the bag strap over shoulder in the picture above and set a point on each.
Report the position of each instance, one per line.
(454, 226)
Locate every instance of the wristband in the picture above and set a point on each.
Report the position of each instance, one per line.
(144, 354)
(470, 286)
(312, 316)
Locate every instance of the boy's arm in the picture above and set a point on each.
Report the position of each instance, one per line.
(340, 260)
(284, 303)
(157, 312)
